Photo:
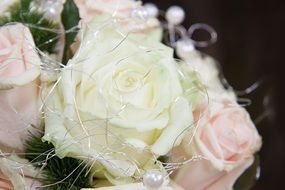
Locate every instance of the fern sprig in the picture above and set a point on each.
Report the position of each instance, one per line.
(70, 172)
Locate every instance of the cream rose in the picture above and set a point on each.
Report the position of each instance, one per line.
(226, 138)
(120, 100)
(204, 65)
(17, 174)
(19, 87)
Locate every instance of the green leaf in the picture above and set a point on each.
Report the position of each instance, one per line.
(70, 19)
(248, 178)
(72, 173)
(25, 4)
(37, 150)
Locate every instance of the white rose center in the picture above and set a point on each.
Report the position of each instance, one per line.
(127, 81)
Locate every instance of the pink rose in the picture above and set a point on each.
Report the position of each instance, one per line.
(16, 173)
(122, 12)
(5, 183)
(121, 9)
(201, 175)
(19, 86)
(227, 139)
(226, 135)
(19, 61)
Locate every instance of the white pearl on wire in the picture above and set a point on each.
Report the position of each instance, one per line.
(151, 9)
(175, 15)
(153, 179)
(54, 8)
(51, 11)
(184, 47)
(51, 8)
(140, 13)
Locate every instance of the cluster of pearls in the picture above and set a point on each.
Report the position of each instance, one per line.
(185, 45)
(174, 16)
(149, 10)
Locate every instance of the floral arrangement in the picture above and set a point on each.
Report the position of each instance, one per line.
(103, 94)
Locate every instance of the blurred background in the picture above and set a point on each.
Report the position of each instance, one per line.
(250, 48)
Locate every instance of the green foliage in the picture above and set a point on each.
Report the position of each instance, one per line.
(66, 173)
(70, 19)
(37, 150)
(71, 172)
(162, 159)
(44, 38)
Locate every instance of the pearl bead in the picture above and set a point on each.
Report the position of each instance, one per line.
(153, 179)
(51, 8)
(140, 13)
(175, 15)
(184, 47)
(151, 9)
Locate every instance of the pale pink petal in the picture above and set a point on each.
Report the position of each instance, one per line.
(19, 109)
(201, 175)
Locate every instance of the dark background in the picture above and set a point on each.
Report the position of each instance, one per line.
(250, 48)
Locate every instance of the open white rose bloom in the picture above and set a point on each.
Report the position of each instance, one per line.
(120, 103)
(120, 110)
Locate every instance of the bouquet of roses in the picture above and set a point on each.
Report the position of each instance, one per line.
(92, 98)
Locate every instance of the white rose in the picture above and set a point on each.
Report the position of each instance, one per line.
(120, 100)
